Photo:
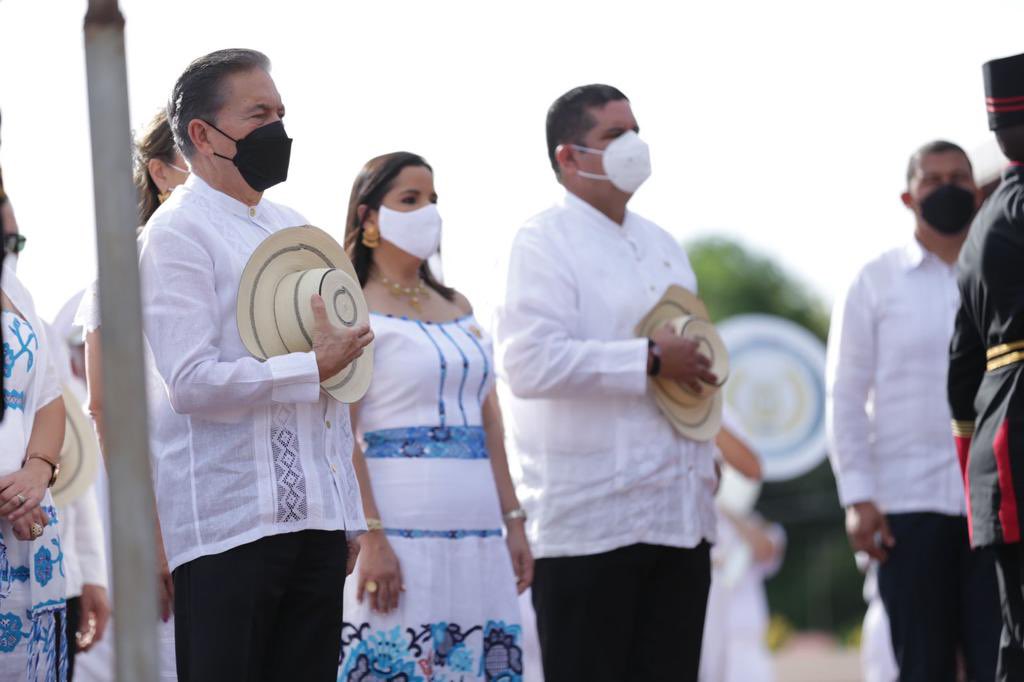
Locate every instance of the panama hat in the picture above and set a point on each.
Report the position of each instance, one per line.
(695, 416)
(274, 313)
(79, 456)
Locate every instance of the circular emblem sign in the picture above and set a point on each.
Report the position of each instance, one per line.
(776, 391)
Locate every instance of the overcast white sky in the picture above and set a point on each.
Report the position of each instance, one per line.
(785, 124)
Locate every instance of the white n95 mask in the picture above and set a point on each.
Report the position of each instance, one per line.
(415, 232)
(626, 161)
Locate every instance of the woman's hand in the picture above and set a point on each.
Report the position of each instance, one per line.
(522, 557)
(95, 614)
(378, 566)
(22, 491)
(23, 526)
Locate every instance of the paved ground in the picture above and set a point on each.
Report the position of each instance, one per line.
(800, 664)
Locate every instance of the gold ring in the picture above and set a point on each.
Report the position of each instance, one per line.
(371, 586)
(21, 499)
(36, 530)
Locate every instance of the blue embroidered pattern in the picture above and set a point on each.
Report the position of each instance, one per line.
(465, 373)
(483, 356)
(435, 652)
(10, 632)
(444, 372)
(434, 442)
(28, 344)
(44, 563)
(455, 534)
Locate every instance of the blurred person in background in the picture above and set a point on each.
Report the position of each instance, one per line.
(888, 423)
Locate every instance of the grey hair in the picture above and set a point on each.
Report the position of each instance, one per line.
(199, 93)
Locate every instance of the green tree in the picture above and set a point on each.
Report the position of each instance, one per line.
(819, 586)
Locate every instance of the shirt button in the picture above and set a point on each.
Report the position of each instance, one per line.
(252, 212)
(667, 264)
(328, 423)
(334, 469)
(652, 288)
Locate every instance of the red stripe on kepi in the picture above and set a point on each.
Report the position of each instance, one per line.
(1005, 108)
(1007, 496)
(1004, 100)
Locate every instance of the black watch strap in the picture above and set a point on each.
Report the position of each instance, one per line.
(655, 353)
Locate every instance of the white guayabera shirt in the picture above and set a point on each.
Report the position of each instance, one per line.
(602, 467)
(888, 354)
(247, 448)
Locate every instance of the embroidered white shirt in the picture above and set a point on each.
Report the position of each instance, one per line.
(888, 352)
(601, 467)
(242, 449)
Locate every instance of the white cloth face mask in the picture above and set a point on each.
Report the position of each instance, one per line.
(415, 232)
(626, 161)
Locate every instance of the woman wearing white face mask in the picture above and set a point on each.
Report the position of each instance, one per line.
(435, 595)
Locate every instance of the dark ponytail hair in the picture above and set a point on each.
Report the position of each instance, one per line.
(374, 181)
(155, 142)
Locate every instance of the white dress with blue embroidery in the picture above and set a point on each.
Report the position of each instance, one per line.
(423, 438)
(31, 572)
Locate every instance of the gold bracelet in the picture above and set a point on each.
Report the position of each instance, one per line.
(373, 524)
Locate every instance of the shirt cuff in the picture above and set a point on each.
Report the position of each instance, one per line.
(94, 573)
(855, 488)
(625, 366)
(296, 378)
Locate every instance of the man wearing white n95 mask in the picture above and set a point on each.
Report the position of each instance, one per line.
(620, 510)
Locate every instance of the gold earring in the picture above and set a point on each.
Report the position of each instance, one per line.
(371, 236)
(162, 196)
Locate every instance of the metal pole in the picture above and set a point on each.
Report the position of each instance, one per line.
(132, 517)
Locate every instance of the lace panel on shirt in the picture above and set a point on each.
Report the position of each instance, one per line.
(288, 474)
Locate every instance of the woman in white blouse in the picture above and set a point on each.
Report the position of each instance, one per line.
(33, 641)
(437, 579)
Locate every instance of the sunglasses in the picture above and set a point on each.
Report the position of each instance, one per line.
(14, 243)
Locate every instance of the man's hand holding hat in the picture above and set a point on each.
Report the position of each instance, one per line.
(336, 347)
(681, 360)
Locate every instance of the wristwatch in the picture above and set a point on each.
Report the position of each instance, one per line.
(655, 354)
(55, 466)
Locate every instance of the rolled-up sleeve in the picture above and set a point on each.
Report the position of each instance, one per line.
(182, 320)
(538, 354)
(850, 367)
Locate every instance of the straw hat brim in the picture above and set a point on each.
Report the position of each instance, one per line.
(288, 251)
(79, 455)
(702, 420)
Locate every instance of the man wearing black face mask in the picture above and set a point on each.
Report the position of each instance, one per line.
(252, 462)
(894, 459)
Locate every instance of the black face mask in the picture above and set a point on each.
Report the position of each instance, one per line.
(261, 156)
(948, 209)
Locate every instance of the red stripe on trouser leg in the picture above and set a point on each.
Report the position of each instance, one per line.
(963, 449)
(1007, 494)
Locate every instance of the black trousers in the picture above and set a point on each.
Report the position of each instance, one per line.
(269, 610)
(1010, 571)
(72, 619)
(635, 613)
(940, 596)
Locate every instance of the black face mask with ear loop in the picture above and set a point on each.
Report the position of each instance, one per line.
(262, 156)
(949, 209)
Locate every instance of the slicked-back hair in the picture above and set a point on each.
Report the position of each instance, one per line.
(933, 147)
(199, 91)
(569, 118)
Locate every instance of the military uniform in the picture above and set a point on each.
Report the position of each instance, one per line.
(986, 371)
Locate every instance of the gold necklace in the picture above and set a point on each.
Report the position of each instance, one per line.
(412, 294)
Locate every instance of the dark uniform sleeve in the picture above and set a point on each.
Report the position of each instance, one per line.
(966, 369)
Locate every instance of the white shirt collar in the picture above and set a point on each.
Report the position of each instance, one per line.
(218, 198)
(573, 202)
(915, 254)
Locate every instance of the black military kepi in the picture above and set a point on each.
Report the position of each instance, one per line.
(1004, 91)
